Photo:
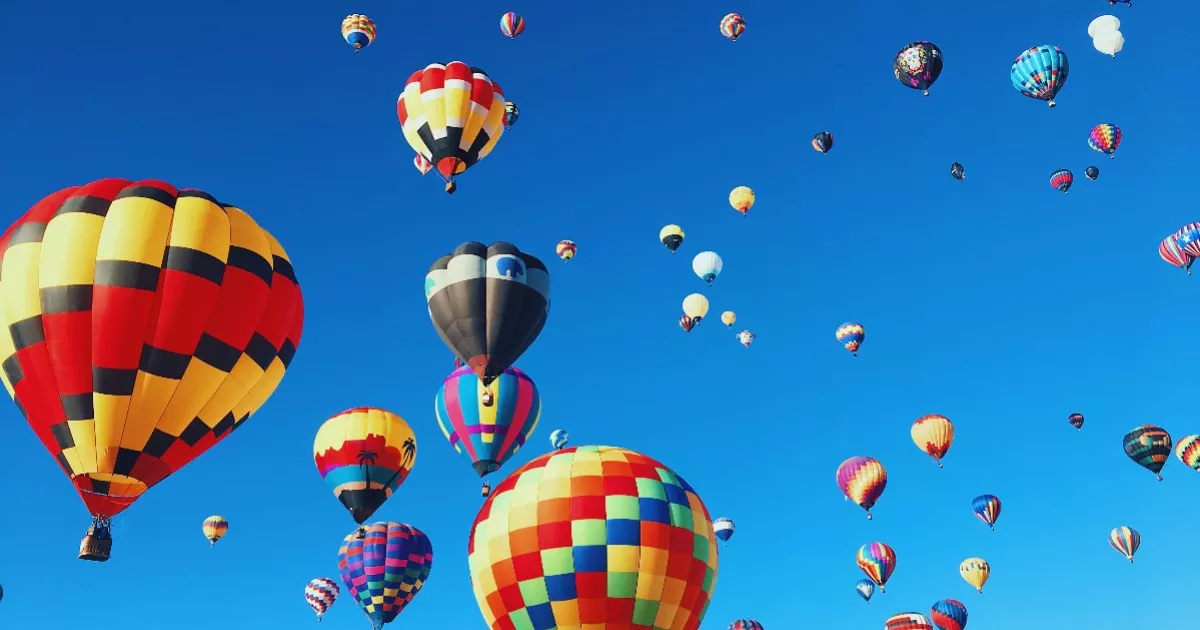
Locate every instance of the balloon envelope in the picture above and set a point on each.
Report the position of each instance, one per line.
(363, 455)
(385, 569)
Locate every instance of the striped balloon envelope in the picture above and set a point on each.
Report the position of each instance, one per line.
(143, 323)
(214, 528)
(908, 621)
(384, 569)
(949, 614)
(745, 624)
(862, 480)
(1188, 451)
(877, 560)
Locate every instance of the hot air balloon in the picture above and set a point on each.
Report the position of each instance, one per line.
(1105, 138)
(144, 324)
(358, 31)
(908, 621)
(822, 142)
(558, 438)
(1125, 2)
(745, 624)
(385, 569)
(511, 114)
(723, 528)
(865, 588)
(987, 509)
(320, 594)
(918, 65)
(862, 480)
(512, 25)
(1061, 180)
(453, 115)
(214, 528)
(363, 455)
(732, 26)
(742, 199)
(488, 303)
(1125, 540)
(422, 164)
(949, 614)
(1102, 24)
(976, 572)
(933, 434)
(851, 335)
(489, 423)
(957, 172)
(566, 250)
(1172, 252)
(877, 561)
(1091, 172)
(1188, 451)
(671, 237)
(1040, 73)
(1149, 447)
(746, 338)
(1188, 239)
(695, 307)
(1109, 41)
(1076, 420)
(610, 525)
(728, 317)
(707, 265)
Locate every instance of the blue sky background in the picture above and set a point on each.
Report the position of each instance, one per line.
(997, 301)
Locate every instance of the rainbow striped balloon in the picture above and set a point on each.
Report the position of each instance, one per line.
(1105, 138)
(862, 480)
(877, 560)
(385, 568)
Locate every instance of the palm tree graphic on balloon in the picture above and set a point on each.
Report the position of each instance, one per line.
(366, 459)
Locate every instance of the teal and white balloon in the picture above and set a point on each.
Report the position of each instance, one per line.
(558, 438)
(707, 265)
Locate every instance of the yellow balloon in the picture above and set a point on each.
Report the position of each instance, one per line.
(975, 571)
(695, 306)
(934, 435)
(742, 199)
(728, 317)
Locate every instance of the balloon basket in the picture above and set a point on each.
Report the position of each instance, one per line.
(96, 546)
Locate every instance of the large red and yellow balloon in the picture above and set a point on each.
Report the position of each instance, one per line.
(593, 537)
(145, 323)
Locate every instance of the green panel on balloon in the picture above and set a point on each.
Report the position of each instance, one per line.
(668, 477)
(651, 489)
(559, 561)
(681, 516)
(644, 612)
(710, 576)
(622, 585)
(588, 532)
(699, 547)
(533, 592)
(622, 507)
(520, 620)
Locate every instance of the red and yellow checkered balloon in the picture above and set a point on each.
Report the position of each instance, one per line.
(593, 537)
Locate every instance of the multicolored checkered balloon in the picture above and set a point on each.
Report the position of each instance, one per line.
(385, 568)
(593, 537)
(320, 594)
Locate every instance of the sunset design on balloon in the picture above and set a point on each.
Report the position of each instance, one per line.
(363, 455)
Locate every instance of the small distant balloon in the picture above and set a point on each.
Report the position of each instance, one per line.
(728, 317)
(822, 142)
(320, 594)
(558, 438)
(987, 509)
(566, 250)
(862, 480)
(742, 199)
(1105, 138)
(976, 572)
(723, 528)
(1091, 172)
(918, 65)
(512, 25)
(1041, 72)
(358, 31)
(746, 337)
(865, 588)
(1076, 420)
(934, 435)
(215, 527)
(671, 237)
(1148, 446)
(732, 26)
(511, 114)
(956, 171)
(877, 560)
(851, 335)
(1062, 180)
(949, 614)
(1188, 451)
(707, 265)
(1125, 540)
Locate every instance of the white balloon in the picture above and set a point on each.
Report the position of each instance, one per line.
(1109, 43)
(1102, 24)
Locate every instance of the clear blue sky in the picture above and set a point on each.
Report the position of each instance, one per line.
(997, 301)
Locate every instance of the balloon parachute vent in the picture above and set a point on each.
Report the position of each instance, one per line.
(97, 544)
